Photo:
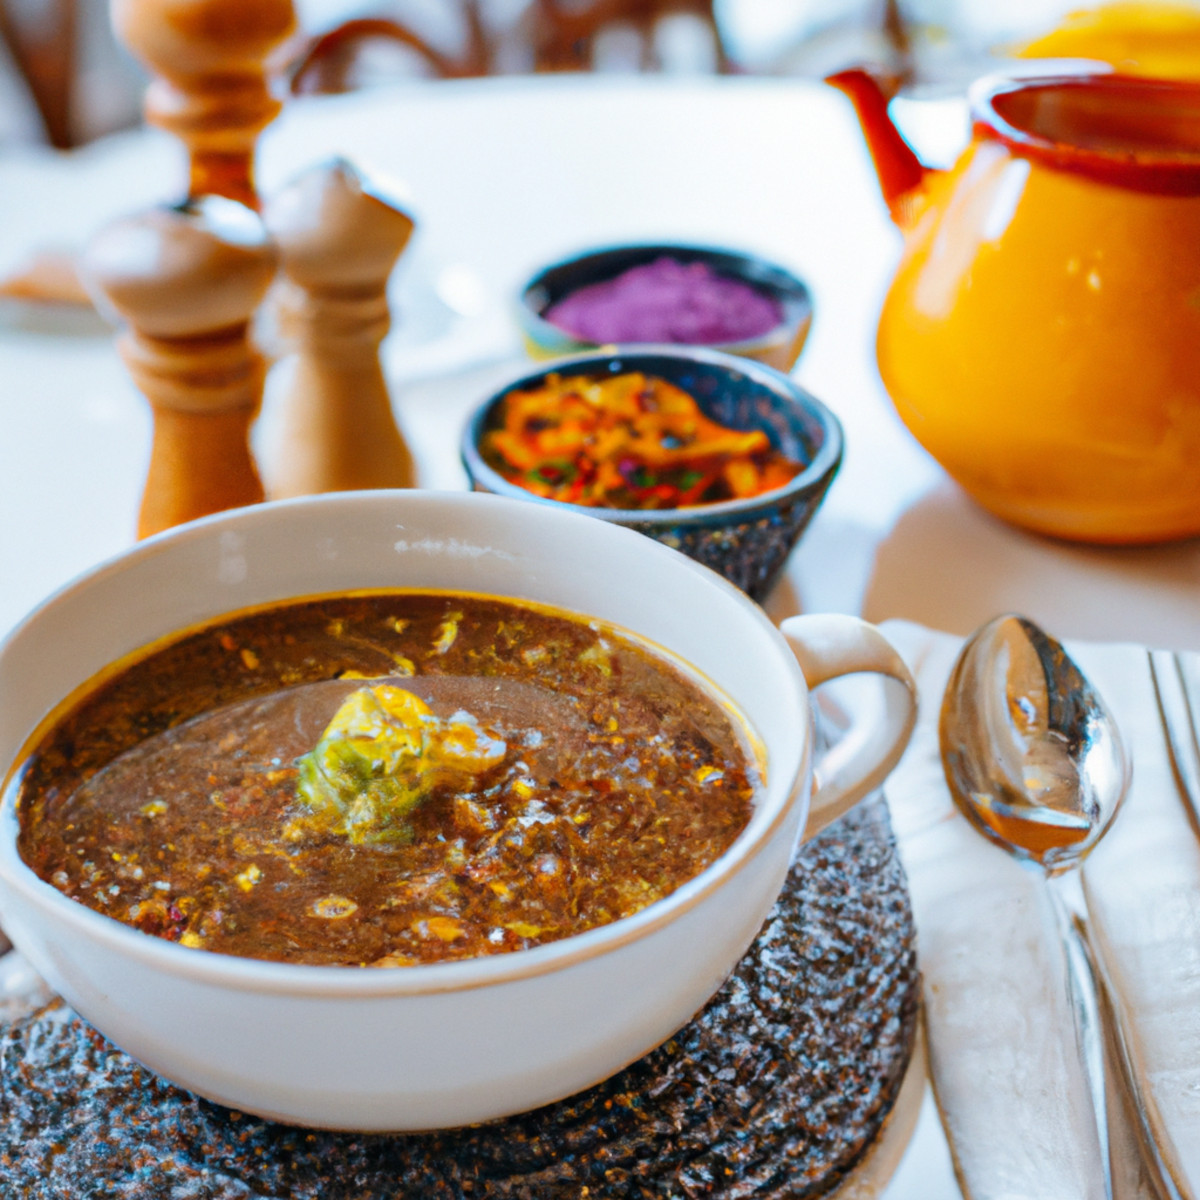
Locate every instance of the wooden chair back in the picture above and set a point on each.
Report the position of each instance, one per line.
(560, 37)
(43, 50)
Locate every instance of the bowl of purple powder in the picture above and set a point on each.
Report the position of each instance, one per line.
(667, 295)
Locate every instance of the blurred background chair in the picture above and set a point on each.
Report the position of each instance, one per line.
(566, 34)
(64, 80)
(40, 41)
(474, 37)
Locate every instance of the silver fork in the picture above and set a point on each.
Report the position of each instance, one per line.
(1177, 688)
(1176, 680)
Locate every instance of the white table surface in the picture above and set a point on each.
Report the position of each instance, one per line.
(504, 176)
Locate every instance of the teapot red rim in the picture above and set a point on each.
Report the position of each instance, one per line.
(1156, 169)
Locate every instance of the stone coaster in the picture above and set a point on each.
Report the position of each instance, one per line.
(774, 1090)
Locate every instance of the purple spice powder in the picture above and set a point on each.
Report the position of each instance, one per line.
(666, 301)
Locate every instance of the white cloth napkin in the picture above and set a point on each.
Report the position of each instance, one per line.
(1002, 1054)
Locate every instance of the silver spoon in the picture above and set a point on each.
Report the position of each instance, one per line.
(1035, 762)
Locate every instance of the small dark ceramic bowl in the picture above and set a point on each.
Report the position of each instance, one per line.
(748, 541)
(778, 347)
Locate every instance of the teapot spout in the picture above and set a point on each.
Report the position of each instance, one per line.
(901, 173)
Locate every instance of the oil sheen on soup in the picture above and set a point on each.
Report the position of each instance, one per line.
(385, 779)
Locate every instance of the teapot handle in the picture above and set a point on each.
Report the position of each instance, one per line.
(830, 645)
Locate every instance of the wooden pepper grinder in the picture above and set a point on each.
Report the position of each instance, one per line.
(186, 282)
(338, 241)
(212, 83)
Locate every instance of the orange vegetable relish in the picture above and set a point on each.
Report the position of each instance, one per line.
(627, 441)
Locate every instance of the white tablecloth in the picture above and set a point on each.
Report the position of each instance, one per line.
(504, 176)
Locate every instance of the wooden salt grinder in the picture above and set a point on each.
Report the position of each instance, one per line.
(212, 82)
(338, 242)
(186, 282)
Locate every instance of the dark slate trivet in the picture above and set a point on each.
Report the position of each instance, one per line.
(773, 1091)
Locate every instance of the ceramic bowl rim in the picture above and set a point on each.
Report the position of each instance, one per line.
(822, 466)
(797, 307)
(297, 979)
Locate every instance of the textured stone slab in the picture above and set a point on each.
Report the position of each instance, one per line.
(773, 1091)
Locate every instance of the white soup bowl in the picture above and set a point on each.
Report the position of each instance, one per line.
(430, 1046)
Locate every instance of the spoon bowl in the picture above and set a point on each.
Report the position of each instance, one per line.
(1032, 754)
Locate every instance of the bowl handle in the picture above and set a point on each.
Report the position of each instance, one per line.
(829, 645)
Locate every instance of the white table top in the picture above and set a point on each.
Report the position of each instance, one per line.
(504, 176)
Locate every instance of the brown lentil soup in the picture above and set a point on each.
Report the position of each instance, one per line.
(169, 798)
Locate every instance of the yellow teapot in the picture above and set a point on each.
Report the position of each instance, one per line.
(1041, 338)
